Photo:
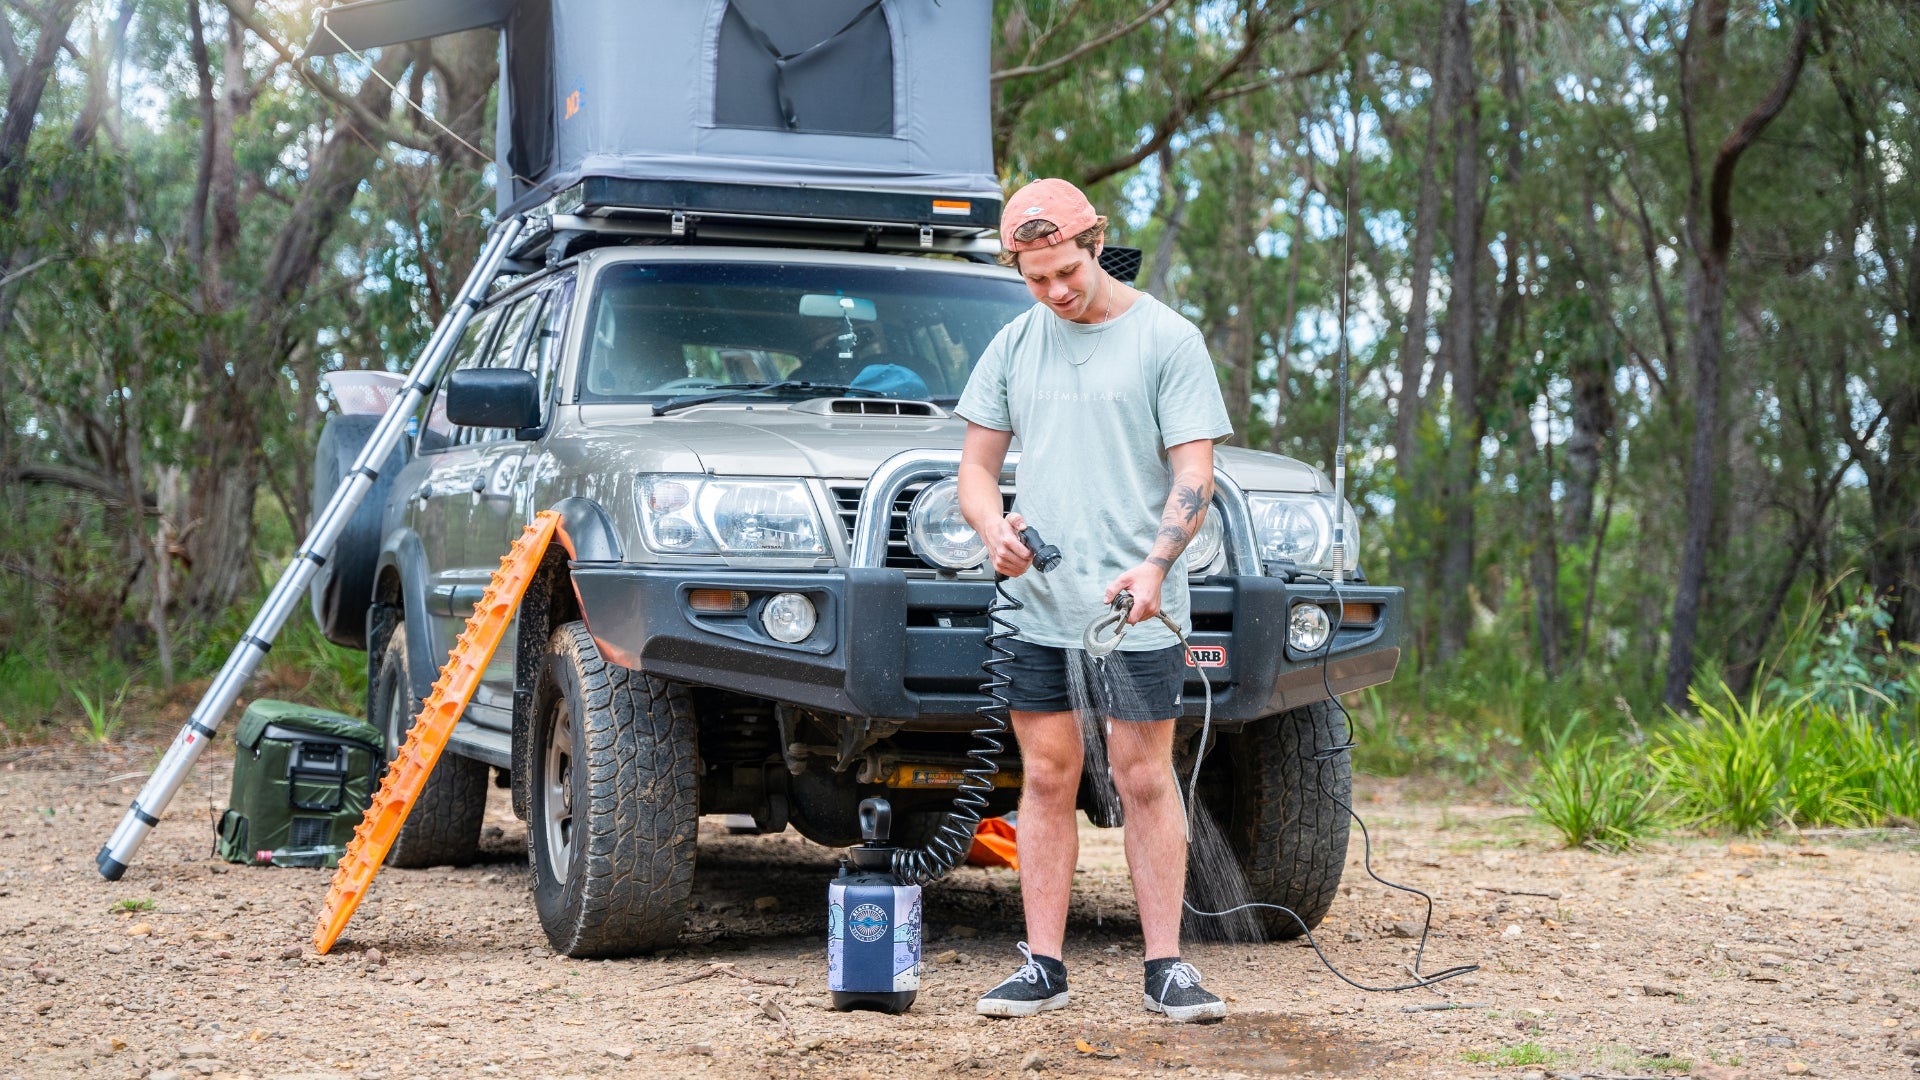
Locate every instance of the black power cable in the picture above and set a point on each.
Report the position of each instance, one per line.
(1321, 757)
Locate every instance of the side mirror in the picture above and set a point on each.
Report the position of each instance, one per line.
(493, 398)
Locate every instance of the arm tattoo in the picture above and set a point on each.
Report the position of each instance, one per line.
(1180, 522)
(1192, 502)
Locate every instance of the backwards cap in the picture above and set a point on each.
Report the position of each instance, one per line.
(1054, 201)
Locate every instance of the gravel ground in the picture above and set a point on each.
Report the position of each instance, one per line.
(1699, 958)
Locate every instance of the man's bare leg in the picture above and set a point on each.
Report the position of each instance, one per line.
(1048, 838)
(1156, 834)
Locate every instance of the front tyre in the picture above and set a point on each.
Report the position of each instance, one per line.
(1281, 813)
(614, 810)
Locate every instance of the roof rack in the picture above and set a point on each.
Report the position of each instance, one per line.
(613, 210)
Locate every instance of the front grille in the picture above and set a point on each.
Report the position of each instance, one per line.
(846, 500)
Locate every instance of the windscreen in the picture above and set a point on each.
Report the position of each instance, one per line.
(677, 328)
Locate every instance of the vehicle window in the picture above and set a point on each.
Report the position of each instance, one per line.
(436, 433)
(673, 328)
(543, 356)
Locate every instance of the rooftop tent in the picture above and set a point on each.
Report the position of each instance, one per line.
(877, 110)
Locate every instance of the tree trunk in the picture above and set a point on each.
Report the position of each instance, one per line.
(1465, 423)
(1894, 491)
(1709, 305)
(1174, 197)
(227, 465)
(1426, 226)
(1290, 310)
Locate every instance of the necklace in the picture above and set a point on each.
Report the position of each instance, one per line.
(1105, 314)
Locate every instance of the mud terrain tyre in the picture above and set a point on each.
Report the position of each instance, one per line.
(443, 828)
(614, 810)
(1280, 811)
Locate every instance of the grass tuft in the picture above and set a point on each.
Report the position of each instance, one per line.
(1527, 1053)
(103, 717)
(1596, 792)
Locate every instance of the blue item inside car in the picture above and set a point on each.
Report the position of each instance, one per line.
(892, 380)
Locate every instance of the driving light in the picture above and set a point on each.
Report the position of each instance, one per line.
(938, 533)
(789, 617)
(1298, 528)
(1308, 627)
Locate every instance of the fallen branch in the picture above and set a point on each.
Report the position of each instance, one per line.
(1443, 1006)
(720, 969)
(1854, 832)
(1518, 892)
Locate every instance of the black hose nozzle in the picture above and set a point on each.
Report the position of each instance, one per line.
(1045, 555)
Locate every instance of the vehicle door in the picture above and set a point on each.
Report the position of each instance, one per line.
(502, 507)
(443, 476)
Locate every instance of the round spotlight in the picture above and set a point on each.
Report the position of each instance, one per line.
(1308, 627)
(789, 617)
(939, 534)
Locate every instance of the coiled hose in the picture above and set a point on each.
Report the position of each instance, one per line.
(952, 841)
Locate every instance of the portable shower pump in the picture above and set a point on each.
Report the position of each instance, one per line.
(873, 905)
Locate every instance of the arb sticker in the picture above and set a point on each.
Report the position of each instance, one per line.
(1206, 656)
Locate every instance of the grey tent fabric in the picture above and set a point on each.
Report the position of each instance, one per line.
(823, 67)
(373, 23)
(849, 95)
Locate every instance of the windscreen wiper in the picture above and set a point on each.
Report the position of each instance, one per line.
(739, 390)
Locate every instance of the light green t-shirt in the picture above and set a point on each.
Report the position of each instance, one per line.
(1094, 409)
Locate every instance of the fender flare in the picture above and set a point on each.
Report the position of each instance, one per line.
(403, 554)
(586, 532)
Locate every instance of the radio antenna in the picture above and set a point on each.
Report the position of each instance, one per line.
(1339, 560)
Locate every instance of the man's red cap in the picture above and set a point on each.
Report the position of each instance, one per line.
(1046, 200)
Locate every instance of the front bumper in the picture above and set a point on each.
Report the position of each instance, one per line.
(910, 648)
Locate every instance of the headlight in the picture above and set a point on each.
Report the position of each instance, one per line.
(1205, 548)
(700, 515)
(1299, 528)
(1295, 527)
(938, 533)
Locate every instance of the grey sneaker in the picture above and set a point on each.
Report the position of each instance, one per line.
(1038, 986)
(1173, 988)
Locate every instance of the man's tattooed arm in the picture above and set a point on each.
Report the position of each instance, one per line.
(1180, 522)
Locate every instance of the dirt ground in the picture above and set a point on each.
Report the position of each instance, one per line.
(1698, 958)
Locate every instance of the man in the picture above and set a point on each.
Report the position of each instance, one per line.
(1114, 399)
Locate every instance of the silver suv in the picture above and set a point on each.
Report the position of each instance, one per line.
(763, 601)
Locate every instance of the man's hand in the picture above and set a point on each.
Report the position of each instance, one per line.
(1008, 553)
(1143, 582)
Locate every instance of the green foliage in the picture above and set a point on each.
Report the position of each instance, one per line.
(144, 903)
(103, 717)
(28, 697)
(1526, 1053)
(1761, 763)
(1845, 660)
(1596, 791)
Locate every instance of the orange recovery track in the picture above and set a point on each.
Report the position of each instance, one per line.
(407, 772)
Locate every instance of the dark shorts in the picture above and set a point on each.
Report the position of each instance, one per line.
(1122, 686)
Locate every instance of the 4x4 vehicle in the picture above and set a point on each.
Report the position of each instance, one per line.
(763, 600)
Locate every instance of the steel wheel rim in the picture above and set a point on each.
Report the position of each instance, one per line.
(399, 716)
(557, 792)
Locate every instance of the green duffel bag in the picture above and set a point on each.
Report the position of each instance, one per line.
(302, 778)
